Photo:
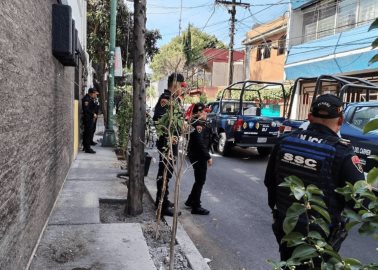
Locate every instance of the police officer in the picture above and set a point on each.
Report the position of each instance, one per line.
(317, 156)
(175, 83)
(96, 107)
(199, 156)
(89, 115)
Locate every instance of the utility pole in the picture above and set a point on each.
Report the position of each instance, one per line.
(136, 164)
(233, 5)
(109, 135)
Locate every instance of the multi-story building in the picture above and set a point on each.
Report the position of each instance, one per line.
(266, 50)
(40, 81)
(331, 37)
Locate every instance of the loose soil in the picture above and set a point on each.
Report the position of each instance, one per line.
(114, 212)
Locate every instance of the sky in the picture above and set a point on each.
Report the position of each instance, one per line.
(164, 15)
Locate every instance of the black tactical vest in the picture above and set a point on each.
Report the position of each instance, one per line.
(309, 156)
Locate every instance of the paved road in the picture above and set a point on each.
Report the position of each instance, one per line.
(237, 233)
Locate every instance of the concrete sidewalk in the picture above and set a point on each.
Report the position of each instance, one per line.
(75, 239)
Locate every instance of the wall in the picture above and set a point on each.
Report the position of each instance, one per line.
(220, 73)
(270, 69)
(36, 126)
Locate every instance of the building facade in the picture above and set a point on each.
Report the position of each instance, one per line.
(266, 51)
(38, 115)
(331, 37)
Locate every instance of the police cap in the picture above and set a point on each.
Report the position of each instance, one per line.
(327, 106)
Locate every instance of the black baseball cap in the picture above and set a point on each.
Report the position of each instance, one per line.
(327, 106)
(92, 90)
(199, 107)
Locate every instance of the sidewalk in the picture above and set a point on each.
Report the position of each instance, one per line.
(75, 239)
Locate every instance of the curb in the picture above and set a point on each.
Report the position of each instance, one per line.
(194, 257)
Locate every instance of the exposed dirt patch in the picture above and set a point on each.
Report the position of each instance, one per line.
(113, 212)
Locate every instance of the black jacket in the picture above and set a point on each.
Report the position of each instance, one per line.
(344, 168)
(89, 107)
(199, 141)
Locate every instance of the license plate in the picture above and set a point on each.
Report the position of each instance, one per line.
(261, 140)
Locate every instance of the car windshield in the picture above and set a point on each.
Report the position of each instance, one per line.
(363, 115)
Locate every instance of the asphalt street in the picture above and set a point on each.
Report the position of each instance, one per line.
(237, 233)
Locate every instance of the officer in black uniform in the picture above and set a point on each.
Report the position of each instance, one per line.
(89, 115)
(317, 156)
(175, 83)
(96, 106)
(199, 156)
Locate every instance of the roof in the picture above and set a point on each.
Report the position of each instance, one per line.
(221, 55)
(267, 29)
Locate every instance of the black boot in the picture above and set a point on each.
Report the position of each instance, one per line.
(200, 211)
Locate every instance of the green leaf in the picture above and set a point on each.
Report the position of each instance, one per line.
(322, 224)
(298, 192)
(318, 200)
(293, 239)
(289, 224)
(304, 251)
(373, 59)
(367, 229)
(373, 205)
(373, 124)
(292, 179)
(360, 186)
(374, 25)
(292, 215)
(375, 43)
(322, 211)
(314, 190)
(315, 235)
(351, 224)
(352, 262)
(333, 253)
(351, 215)
(372, 177)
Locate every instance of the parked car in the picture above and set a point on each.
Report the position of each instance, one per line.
(357, 114)
(243, 118)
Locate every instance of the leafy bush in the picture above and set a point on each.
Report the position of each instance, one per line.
(124, 118)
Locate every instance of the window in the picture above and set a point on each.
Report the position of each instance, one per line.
(329, 17)
(263, 50)
(309, 25)
(259, 54)
(281, 45)
(266, 49)
(326, 20)
(368, 11)
(363, 115)
(346, 15)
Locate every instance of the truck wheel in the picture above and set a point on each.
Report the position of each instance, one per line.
(264, 151)
(224, 147)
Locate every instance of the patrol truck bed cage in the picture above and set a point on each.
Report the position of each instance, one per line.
(344, 85)
(245, 86)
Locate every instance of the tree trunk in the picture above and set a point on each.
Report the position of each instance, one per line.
(136, 183)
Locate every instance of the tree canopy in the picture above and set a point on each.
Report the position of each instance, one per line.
(183, 51)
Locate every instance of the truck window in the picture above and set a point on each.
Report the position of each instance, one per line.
(363, 115)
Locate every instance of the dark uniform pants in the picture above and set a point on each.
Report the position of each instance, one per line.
(163, 164)
(93, 128)
(87, 133)
(200, 169)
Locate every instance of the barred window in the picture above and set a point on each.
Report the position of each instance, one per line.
(281, 45)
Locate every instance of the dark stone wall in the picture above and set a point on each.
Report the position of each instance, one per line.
(36, 126)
